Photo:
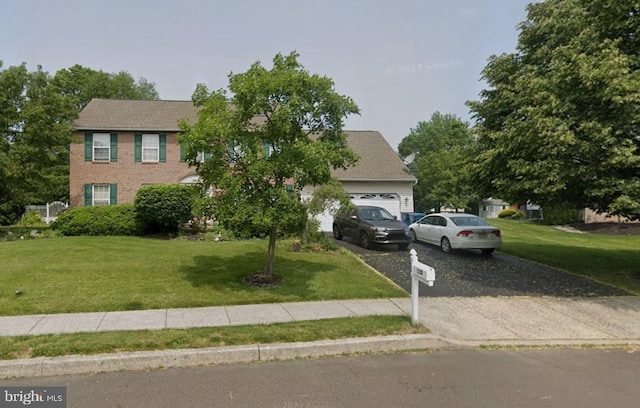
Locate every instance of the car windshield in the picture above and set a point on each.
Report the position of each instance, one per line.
(375, 214)
(470, 221)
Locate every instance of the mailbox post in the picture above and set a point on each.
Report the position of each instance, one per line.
(419, 273)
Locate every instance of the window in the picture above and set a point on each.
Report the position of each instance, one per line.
(234, 153)
(101, 147)
(435, 220)
(268, 149)
(201, 156)
(100, 194)
(150, 148)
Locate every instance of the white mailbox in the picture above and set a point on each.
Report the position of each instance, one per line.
(419, 273)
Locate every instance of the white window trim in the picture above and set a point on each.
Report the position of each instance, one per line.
(94, 147)
(147, 148)
(101, 201)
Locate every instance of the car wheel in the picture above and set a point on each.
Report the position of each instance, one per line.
(336, 232)
(403, 247)
(487, 251)
(365, 242)
(445, 245)
(414, 237)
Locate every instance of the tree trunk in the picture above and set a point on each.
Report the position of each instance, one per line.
(268, 270)
(304, 239)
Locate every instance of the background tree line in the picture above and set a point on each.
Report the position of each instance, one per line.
(558, 125)
(36, 111)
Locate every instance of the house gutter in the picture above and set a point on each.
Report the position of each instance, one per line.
(413, 179)
(127, 129)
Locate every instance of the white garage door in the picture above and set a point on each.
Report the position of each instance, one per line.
(390, 202)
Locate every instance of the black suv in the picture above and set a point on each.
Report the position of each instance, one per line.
(371, 225)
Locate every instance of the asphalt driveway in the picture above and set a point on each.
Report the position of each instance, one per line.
(470, 273)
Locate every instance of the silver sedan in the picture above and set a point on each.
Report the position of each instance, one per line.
(456, 231)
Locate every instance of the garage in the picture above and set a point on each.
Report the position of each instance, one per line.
(379, 178)
(388, 201)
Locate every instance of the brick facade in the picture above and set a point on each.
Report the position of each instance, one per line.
(126, 173)
(117, 178)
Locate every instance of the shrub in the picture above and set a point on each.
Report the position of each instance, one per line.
(512, 214)
(519, 215)
(507, 213)
(102, 220)
(10, 212)
(559, 215)
(163, 207)
(219, 233)
(31, 219)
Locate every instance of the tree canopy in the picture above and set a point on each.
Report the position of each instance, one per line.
(36, 110)
(441, 147)
(559, 122)
(280, 129)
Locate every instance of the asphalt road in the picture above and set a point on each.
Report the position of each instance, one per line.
(471, 273)
(453, 379)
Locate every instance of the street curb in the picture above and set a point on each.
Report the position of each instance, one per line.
(148, 360)
(548, 343)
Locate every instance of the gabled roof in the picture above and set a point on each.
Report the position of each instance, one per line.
(123, 114)
(378, 161)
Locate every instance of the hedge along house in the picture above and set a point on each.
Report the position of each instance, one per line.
(120, 145)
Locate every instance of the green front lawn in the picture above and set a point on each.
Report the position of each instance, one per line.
(614, 260)
(84, 274)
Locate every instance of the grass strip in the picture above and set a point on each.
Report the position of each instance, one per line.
(109, 342)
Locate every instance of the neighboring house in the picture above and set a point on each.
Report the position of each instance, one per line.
(589, 216)
(491, 207)
(120, 145)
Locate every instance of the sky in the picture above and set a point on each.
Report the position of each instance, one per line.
(400, 61)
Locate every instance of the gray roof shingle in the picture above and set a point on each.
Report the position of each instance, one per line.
(122, 114)
(378, 161)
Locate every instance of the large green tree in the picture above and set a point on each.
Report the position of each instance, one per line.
(81, 84)
(560, 120)
(36, 110)
(280, 127)
(13, 81)
(441, 147)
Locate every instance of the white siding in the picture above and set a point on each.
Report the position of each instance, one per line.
(402, 189)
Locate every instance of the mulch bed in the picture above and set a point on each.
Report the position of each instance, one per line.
(262, 280)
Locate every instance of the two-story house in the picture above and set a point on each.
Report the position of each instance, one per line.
(120, 145)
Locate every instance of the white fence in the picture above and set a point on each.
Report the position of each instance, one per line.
(48, 212)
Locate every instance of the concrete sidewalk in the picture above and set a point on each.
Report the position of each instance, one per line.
(453, 322)
(197, 317)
